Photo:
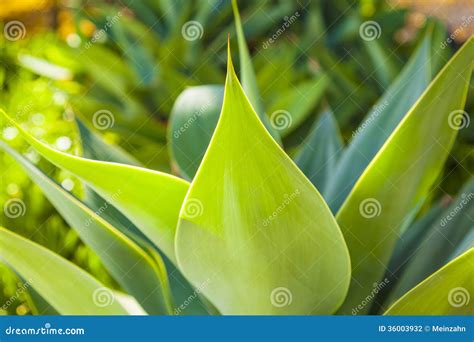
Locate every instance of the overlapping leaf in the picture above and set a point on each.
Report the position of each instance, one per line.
(71, 290)
(150, 199)
(379, 124)
(401, 175)
(447, 292)
(141, 275)
(254, 234)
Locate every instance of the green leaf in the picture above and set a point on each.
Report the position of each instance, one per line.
(447, 292)
(254, 234)
(150, 199)
(193, 120)
(44, 269)
(249, 80)
(96, 148)
(403, 251)
(297, 103)
(436, 248)
(141, 275)
(321, 150)
(379, 124)
(401, 175)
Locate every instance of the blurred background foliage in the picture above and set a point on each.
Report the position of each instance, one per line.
(130, 58)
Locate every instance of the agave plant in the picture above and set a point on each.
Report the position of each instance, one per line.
(257, 233)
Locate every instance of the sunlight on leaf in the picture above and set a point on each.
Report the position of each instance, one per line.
(41, 268)
(254, 234)
(401, 175)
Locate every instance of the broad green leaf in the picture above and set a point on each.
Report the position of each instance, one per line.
(379, 124)
(193, 120)
(321, 150)
(436, 248)
(249, 80)
(447, 292)
(71, 290)
(291, 109)
(94, 147)
(141, 275)
(401, 175)
(150, 199)
(254, 234)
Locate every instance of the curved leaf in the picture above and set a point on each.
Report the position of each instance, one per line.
(438, 245)
(96, 148)
(401, 175)
(379, 123)
(447, 292)
(150, 199)
(143, 277)
(249, 80)
(254, 234)
(42, 269)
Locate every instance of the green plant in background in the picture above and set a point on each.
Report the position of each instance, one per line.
(251, 234)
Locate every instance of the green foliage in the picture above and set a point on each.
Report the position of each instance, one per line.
(253, 232)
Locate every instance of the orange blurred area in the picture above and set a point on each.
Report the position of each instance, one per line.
(457, 14)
